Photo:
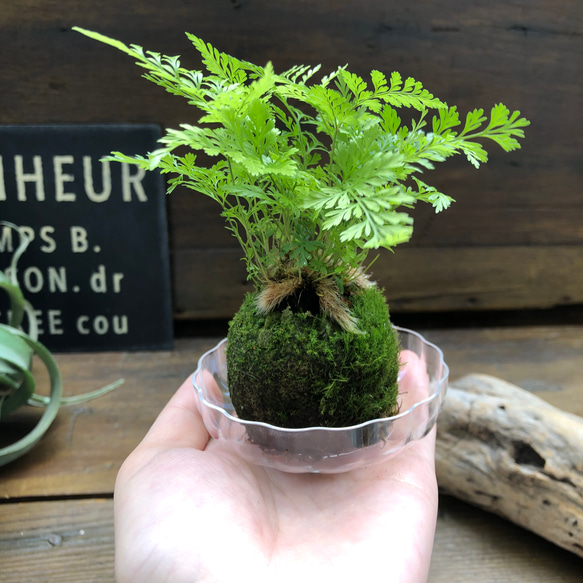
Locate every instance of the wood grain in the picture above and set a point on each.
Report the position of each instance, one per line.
(544, 360)
(62, 541)
(528, 57)
(473, 545)
(50, 542)
(211, 283)
(505, 450)
(479, 218)
(84, 448)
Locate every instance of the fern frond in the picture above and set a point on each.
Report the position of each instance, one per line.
(221, 64)
(408, 94)
(311, 174)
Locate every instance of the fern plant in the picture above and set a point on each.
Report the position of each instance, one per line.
(311, 172)
(310, 175)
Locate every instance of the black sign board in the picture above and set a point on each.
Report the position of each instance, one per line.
(97, 270)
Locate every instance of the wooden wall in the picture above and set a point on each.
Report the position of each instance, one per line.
(514, 238)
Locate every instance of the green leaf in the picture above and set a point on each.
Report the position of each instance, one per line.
(21, 345)
(379, 81)
(299, 73)
(474, 152)
(221, 64)
(446, 118)
(390, 120)
(10, 283)
(408, 94)
(504, 129)
(474, 120)
(334, 109)
(359, 89)
(429, 194)
(105, 39)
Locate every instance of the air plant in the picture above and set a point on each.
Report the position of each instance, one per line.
(17, 350)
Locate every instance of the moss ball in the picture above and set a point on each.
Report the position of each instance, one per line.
(298, 369)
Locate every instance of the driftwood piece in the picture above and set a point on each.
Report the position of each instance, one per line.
(509, 452)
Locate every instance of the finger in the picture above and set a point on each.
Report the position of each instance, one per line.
(414, 465)
(413, 379)
(414, 387)
(180, 423)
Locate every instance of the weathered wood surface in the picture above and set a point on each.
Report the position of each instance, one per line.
(64, 486)
(84, 448)
(57, 541)
(505, 450)
(62, 541)
(521, 208)
(473, 545)
(545, 360)
(415, 279)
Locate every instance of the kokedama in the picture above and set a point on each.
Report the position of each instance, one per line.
(310, 177)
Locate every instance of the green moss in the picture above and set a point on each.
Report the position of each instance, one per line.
(297, 369)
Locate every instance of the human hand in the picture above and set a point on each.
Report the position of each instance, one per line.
(187, 509)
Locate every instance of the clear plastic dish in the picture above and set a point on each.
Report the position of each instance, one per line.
(422, 387)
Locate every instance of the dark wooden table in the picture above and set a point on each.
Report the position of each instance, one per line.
(56, 503)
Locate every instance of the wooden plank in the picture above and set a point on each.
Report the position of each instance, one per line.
(464, 51)
(208, 283)
(472, 545)
(459, 48)
(72, 540)
(488, 219)
(85, 446)
(546, 360)
(477, 218)
(211, 283)
(482, 278)
(64, 541)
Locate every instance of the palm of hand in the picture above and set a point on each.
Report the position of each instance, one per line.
(189, 510)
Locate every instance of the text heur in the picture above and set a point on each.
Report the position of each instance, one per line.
(33, 173)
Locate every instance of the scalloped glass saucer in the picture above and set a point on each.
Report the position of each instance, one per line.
(422, 387)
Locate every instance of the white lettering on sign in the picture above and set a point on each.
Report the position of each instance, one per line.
(51, 323)
(98, 281)
(35, 177)
(31, 173)
(45, 235)
(55, 322)
(61, 177)
(132, 180)
(79, 243)
(105, 180)
(9, 239)
(34, 280)
(101, 325)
